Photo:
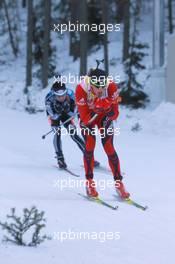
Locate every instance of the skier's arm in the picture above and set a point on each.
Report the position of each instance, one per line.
(112, 96)
(86, 115)
(49, 110)
(73, 108)
(69, 107)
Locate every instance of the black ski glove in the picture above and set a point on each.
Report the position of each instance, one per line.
(58, 107)
(106, 122)
(66, 106)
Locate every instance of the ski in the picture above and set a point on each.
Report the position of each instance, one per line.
(71, 173)
(131, 202)
(99, 201)
(68, 171)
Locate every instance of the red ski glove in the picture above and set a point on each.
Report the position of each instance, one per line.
(102, 105)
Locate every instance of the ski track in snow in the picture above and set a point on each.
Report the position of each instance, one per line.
(28, 175)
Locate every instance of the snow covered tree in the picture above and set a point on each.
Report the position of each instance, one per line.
(69, 11)
(25, 231)
(83, 39)
(132, 93)
(12, 20)
(119, 10)
(170, 16)
(39, 40)
(74, 38)
(24, 4)
(29, 45)
(95, 40)
(105, 36)
(45, 63)
(126, 30)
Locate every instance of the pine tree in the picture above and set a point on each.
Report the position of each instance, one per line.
(45, 59)
(12, 19)
(29, 45)
(170, 16)
(132, 93)
(25, 230)
(69, 11)
(105, 36)
(95, 40)
(126, 30)
(74, 47)
(38, 40)
(83, 39)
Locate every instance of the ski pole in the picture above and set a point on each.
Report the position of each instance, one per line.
(45, 135)
(62, 124)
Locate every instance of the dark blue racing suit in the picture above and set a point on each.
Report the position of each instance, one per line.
(59, 112)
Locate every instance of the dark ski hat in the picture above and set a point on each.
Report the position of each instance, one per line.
(98, 77)
(59, 88)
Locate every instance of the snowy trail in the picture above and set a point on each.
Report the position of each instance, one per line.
(28, 175)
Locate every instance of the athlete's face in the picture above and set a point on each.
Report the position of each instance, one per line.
(61, 98)
(97, 91)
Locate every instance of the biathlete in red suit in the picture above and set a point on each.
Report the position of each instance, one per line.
(96, 100)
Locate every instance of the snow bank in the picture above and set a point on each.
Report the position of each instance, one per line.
(160, 121)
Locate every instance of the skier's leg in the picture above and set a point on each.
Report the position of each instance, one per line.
(88, 158)
(57, 138)
(89, 161)
(114, 162)
(71, 128)
(107, 142)
(57, 144)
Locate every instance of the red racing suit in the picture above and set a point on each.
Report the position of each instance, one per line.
(98, 112)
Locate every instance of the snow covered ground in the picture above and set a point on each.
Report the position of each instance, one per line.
(28, 178)
(146, 147)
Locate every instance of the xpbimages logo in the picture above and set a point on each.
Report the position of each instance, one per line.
(76, 79)
(84, 235)
(80, 27)
(94, 131)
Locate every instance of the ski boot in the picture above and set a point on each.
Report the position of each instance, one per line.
(96, 164)
(61, 163)
(90, 188)
(120, 188)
